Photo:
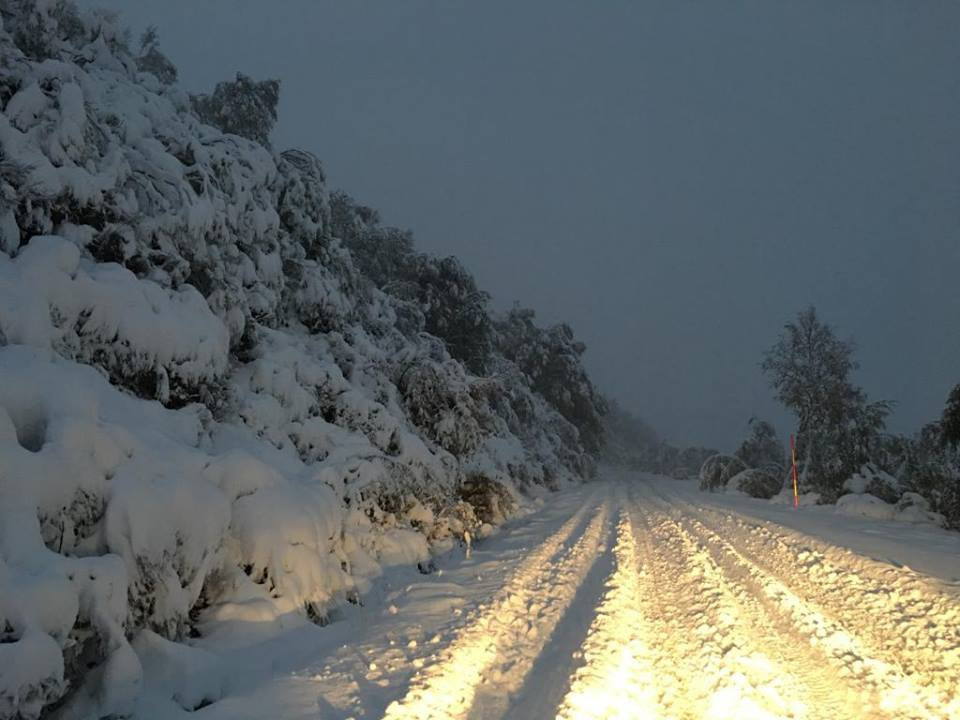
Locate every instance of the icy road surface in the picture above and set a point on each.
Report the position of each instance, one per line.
(636, 598)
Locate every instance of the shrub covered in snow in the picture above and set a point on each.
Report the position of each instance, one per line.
(756, 483)
(717, 471)
(492, 501)
(239, 107)
(876, 482)
(912, 507)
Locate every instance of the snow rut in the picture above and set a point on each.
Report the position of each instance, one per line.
(491, 656)
(619, 678)
(912, 619)
(897, 645)
(716, 664)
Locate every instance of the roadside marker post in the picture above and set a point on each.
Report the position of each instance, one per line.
(793, 459)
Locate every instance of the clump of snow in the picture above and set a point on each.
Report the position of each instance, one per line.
(31, 672)
(911, 508)
(874, 481)
(138, 331)
(177, 673)
(865, 505)
(914, 508)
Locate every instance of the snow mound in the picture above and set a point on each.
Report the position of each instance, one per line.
(755, 483)
(911, 508)
(874, 481)
(867, 506)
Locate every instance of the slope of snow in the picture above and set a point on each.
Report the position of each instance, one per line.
(211, 423)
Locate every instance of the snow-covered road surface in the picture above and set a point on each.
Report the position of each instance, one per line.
(633, 598)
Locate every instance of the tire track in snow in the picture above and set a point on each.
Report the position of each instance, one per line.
(619, 678)
(720, 667)
(491, 655)
(905, 618)
(886, 690)
(364, 676)
(819, 692)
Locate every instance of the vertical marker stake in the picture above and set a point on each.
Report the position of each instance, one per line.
(793, 459)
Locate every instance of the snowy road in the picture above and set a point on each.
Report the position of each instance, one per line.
(635, 599)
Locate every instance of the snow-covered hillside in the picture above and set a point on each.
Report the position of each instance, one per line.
(210, 411)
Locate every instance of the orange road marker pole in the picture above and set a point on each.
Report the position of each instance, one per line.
(793, 458)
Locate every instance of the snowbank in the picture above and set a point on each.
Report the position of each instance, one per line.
(912, 508)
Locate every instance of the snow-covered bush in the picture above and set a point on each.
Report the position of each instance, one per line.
(80, 490)
(756, 483)
(492, 501)
(876, 482)
(717, 470)
(157, 342)
(691, 459)
(438, 401)
(241, 107)
(912, 507)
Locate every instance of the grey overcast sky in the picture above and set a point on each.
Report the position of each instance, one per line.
(674, 178)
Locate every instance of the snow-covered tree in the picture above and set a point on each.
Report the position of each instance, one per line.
(552, 359)
(757, 483)
(950, 420)
(385, 255)
(456, 310)
(809, 368)
(243, 106)
(153, 61)
(442, 290)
